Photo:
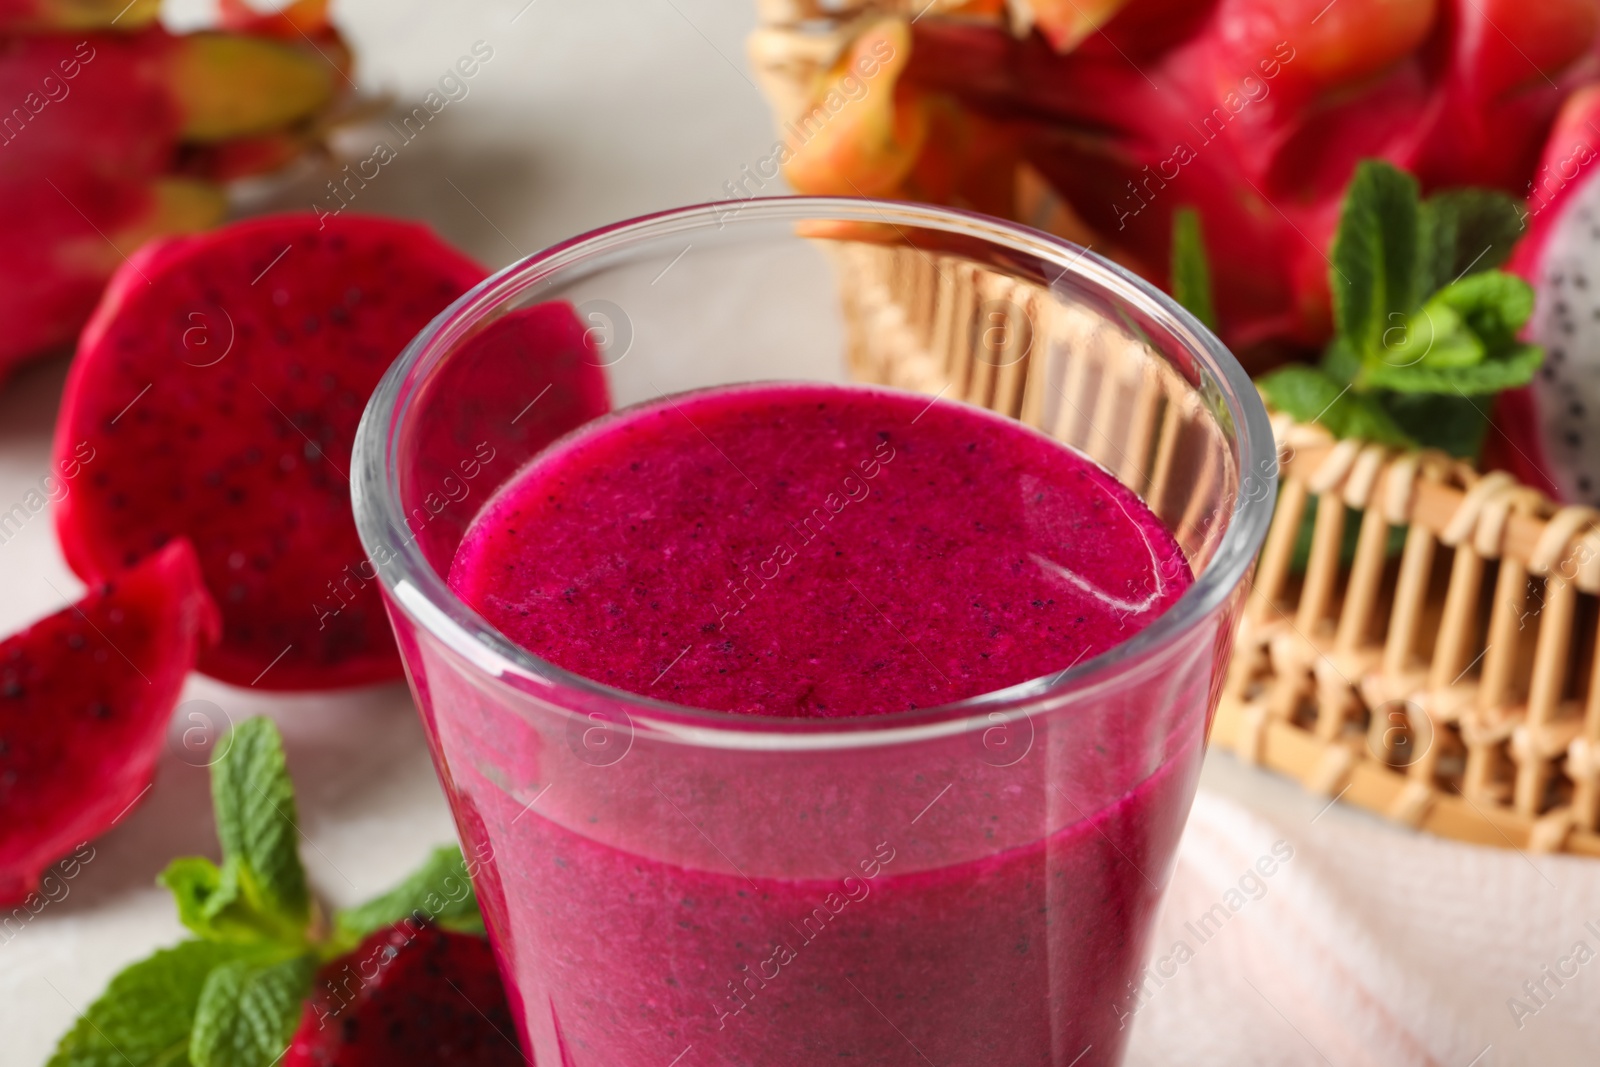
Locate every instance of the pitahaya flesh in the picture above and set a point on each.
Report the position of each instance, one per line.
(522, 381)
(85, 697)
(220, 382)
(409, 994)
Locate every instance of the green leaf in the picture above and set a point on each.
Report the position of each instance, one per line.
(439, 891)
(1340, 363)
(1454, 423)
(1191, 269)
(1495, 306)
(1468, 231)
(249, 1010)
(1311, 395)
(256, 822)
(1377, 255)
(1435, 336)
(206, 898)
(1489, 377)
(145, 1015)
(220, 903)
(1304, 393)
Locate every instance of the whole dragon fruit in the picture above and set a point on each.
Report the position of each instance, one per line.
(119, 132)
(1546, 431)
(1102, 119)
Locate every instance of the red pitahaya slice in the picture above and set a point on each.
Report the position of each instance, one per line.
(221, 380)
(85, 696)
(409, 995)
(1546, 432)
(524, 380)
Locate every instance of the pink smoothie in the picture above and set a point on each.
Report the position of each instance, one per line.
(815, 551)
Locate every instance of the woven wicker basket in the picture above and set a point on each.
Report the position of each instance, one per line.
(1441, 666)
(1455, 688)
(1451, 684)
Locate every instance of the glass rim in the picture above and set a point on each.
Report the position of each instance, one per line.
(412, 584)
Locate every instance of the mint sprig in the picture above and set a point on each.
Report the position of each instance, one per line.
(1377, 256)
(234, 995)
(257, 825)
(146, 1014)
(258, 894)
(1421, 310)
(440, 891)
(1468, 230)
(249, 1009)
(1345, 413)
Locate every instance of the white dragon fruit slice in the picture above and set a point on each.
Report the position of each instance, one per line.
(1566, 321)
(1546, 434)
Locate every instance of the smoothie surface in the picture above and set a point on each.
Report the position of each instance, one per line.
(809, 550)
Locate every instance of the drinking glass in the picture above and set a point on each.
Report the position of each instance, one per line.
(971, 884)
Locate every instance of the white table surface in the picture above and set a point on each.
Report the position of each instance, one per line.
(596, 110)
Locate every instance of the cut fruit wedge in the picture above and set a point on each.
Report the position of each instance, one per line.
(85, 697)
(221, 380)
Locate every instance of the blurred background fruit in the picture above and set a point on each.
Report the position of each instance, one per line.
(114, 130)
(1099, 121)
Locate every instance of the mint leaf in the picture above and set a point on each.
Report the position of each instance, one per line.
(249, 1010)
(234, 998)
(1311, 395)
(256, 823)
(145, 1014)
(439, 891)
(1340, 363)
(207, 899)
(1495, 306)
(1468, 231)
(1436, 336)
(1453, 424)
(219, 904)
(1377, 255)
(1191, 269)
(1424, 318)
(1304, 393)
(1487, 378)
